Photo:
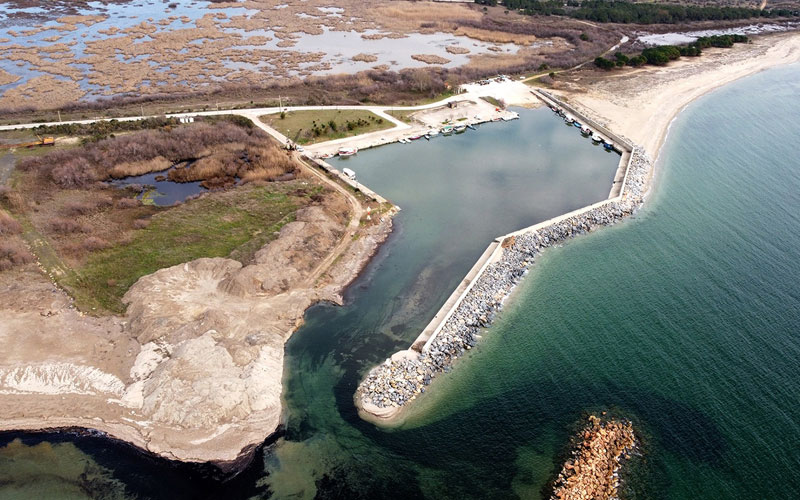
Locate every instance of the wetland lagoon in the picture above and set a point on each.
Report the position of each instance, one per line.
(683, 318)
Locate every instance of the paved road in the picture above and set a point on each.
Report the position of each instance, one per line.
(251, 112)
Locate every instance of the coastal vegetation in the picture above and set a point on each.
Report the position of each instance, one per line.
(663, 54)
(97, 239)
(231, 224)
(308, 127)
(605, 11)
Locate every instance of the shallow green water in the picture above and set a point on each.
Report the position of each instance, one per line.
(685, 318)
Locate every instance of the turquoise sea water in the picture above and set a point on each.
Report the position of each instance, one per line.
(685, 318)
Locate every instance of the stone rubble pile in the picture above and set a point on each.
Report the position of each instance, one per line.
(593, 471)
(394, 383)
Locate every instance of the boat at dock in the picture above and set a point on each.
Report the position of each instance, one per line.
(568, 119)
(578, 124)
(347, 151)
(586, 131)
(415, 137)
(460, 129)
(447, 130)
(512, 116)
(596, 138)
(471, 126)
(433, 132)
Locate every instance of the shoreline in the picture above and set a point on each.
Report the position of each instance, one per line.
(116, 431)
(387, 389)
(235, 418)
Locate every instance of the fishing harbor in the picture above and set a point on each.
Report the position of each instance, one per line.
(458, 325)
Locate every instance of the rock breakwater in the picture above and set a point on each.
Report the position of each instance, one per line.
(400, 379)
(593, 470)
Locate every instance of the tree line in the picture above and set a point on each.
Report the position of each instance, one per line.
(661, 55)
(605, 11)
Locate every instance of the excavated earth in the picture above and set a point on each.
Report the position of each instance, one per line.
(193, 370)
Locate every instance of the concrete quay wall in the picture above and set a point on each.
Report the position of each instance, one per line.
(347, 180)
(491, 254)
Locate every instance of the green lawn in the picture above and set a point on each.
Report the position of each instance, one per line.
(309, 127)
(235, 223)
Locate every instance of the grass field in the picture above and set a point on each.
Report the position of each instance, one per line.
(309, 127)
(235, 223)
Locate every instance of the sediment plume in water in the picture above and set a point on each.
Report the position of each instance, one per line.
(593, 470)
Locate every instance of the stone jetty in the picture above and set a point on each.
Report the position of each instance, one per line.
(401, 378)
(593, 470)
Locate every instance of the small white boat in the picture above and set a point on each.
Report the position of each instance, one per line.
(512, 116)
(447, 130)
(347, 151)
(596, 138)
(459, 129)
(433, 132)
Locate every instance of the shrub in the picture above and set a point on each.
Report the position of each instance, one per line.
(8, 225)
(127, 203)
(67, 226)
(13, 254)
(603, 63)
(75, 173)
(93, 243)
(141, 223)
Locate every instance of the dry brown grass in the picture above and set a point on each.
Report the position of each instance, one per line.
(365, 57)
(221, 165)
(134, 168)
(455, 49)
(41, 92)
(430, 58)
(6, 77)
(67, 226)
(491, 36)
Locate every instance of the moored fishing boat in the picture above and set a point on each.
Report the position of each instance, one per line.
(347, 151)
(512, 116)
(596, 138)
(416, 136)
(578, 124)
(460, 129)
(433, 132)
(586, 131)
(447, 130)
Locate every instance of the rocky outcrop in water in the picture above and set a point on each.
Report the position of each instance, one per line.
(400, 379)
(593, 471)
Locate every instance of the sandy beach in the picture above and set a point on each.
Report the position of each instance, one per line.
(641, 104)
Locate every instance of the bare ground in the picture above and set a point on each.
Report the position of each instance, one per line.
(193, 370)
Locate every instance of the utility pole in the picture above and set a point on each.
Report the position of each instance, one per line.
(280, 102)
(59, 116)
(142, 105)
